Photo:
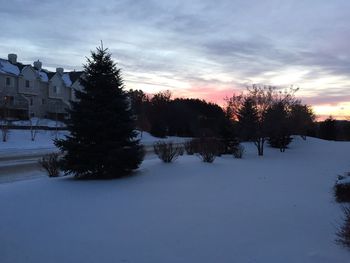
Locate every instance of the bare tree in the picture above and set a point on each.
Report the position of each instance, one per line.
(4, 123)
(250, 110)
(4, 130)
(34, 127)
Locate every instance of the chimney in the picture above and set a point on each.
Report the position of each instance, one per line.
(60, 70)
(12, 58)
(37, 64)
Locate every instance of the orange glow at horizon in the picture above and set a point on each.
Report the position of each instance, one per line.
(339, 111)
(217, 92)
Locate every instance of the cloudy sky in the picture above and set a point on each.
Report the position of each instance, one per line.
(198, 48)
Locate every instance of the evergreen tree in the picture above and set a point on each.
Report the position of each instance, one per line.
(278, 126)
(328, 129)
(248, 120)
(302, 118)
(102, 141)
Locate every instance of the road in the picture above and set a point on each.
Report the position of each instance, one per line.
(16, 164)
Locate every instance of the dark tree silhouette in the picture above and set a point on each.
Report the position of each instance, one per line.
(278, 126)
(140, 106)
(158, 113)
(328, 129)
(247, 117)
(302, 118)
(102, 140)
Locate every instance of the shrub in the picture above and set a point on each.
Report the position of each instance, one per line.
(191, 146)
(208, 149)
(238, 151)
(230, 145)
(50, 162)
(280, 142)
(168, 151)
(342, 189)
(344, 232)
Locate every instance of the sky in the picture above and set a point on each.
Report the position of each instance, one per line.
(199, 48)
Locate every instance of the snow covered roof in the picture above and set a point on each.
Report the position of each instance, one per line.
(66, 79)
(7, 67)
(70, 77)
(43, 76)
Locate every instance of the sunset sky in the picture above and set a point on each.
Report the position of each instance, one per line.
(198, 48)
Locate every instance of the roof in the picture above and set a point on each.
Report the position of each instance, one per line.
(7, 67)
(66, 79)
(50, 74)
(43, 75)
(21, 66)
(75, 75)
(15, 69)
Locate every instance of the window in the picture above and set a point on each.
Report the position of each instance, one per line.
(43, 101)
(27, 84)
(8, 81)
(31, 102)
(54, 89)
(9, 100)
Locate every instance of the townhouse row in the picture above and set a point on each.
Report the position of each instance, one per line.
(30, 91)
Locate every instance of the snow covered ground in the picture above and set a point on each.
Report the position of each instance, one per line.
(39, 122)
(278, 208)
(20, 140)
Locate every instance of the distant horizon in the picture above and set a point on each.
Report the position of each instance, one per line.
(213, 98)
(198, 49)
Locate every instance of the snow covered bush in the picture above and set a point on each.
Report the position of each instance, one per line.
(238, 151)
(344, 232)
(342, 188)
(208, 149)
(50, 162)
(191, 146)
(168, 151)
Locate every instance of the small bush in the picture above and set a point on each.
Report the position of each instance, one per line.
(168, 151)
(230, 145)
(50, 162)
(191, 146)
(208, 149)
(344, 232)
(280, 142)
(238, 151)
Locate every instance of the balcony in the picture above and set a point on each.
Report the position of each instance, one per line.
(14, 102)
(57, 106)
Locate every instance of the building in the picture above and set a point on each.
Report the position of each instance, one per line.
(31, 91)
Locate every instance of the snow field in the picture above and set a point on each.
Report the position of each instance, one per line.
(276, 208)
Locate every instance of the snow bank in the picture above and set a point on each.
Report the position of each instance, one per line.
(147, 139)
(42, 122)
(20, 140)
(276, 208)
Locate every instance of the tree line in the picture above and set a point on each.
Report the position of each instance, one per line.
(262, 113)
(163, 116)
